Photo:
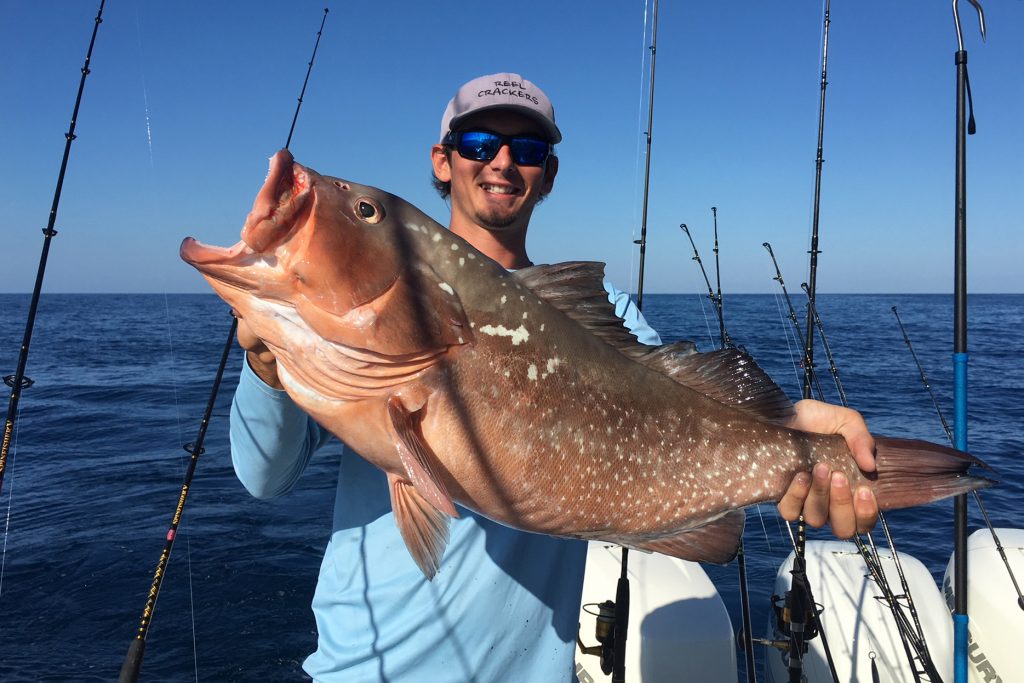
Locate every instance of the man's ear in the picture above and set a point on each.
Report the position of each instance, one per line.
(550, 171)
(441, 162)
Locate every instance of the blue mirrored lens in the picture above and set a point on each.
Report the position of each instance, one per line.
(479, 145)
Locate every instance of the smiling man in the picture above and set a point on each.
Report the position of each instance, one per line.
(504, 605)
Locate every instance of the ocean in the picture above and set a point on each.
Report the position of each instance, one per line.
(121, 382)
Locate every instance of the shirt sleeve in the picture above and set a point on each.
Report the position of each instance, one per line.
(272, 439)
(634, 320)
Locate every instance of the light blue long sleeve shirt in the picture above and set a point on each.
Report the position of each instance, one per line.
(504, 605)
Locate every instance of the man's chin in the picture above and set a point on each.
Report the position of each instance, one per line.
(494, 221)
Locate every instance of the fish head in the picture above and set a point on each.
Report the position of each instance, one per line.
(347, 257)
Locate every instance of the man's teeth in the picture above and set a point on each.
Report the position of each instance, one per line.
(499, 189)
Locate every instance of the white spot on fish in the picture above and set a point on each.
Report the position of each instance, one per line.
(503, 299)
(518, 335)
(455, 247)
(524, 315)
(471, 256)
(462, 262)
(446, 287)
(437, 237)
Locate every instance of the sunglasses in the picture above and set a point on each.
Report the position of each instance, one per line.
(482, 145)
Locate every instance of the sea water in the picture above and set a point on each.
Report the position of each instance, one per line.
(121, 382)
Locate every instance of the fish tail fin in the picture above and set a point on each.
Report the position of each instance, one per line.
(913, 472)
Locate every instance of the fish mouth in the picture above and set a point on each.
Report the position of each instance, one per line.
(275, 214)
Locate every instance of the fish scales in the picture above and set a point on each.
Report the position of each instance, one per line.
(517, 394)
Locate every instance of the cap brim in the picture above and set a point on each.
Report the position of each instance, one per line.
(550, 129)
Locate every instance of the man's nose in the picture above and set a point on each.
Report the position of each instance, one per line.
(503, 159)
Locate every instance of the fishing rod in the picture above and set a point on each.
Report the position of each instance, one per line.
(647, 163)
(960, 619)
(909, 638)
(871, 559)
(18, 381)
(726, 342)
(824, 343)
(792, 314)
(621, 608)
(796, 597)
(718, 279)
(133, 660)
(949, 435)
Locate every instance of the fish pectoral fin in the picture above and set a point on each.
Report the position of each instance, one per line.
(717, 541)
(423, 526)
(420, 462)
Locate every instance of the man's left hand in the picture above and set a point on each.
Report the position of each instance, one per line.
(825, 495)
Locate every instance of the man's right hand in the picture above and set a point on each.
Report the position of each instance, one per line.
(261, 359)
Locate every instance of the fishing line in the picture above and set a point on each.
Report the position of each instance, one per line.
(132, 665)
(184, 466)
(915, 638)
(636, 156)
(7, 518)
(949, 435)
(145, 96)
(786, 334)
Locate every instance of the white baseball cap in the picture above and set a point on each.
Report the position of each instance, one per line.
(501, 91)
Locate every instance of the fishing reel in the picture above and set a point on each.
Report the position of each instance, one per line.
(804, 627)
(604, 631)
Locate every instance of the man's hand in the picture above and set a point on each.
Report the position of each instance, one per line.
(261, 359)
(825, 495)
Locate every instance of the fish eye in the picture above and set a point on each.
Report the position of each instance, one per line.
(369, 210)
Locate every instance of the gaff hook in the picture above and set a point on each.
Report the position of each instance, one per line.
(956, 19)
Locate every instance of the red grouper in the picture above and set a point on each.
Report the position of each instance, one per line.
(518, 394)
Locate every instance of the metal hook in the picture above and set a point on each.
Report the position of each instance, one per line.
(956, 19)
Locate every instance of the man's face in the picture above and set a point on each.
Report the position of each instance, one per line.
(498, 195)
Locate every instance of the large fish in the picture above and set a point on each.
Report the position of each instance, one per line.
(517, 394)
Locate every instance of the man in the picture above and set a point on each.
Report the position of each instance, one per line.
(504, 604)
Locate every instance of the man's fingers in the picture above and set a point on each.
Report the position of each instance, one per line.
(841, 515)
(866, 509)
(793, 502)
(816, 505)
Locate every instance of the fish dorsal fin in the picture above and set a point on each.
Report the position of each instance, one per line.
(729, 376)
(577, 289)
(717, 541)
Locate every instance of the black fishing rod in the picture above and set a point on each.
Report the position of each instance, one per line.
(949, 435)
(747, 635)
(963, 88)
(800, 583)
(647, 164)
(792, 315)
(913, 640)
(715, 300)
(871, 559)
(18, 380)
(133, 660)
(824, 343)
(718, 280)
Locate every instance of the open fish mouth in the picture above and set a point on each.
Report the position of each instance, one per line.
(276, 213)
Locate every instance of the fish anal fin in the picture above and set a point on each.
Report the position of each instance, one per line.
(716, 541)
(421, 464)
(423, 527)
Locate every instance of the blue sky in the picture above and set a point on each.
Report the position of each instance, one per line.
(187, 100)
